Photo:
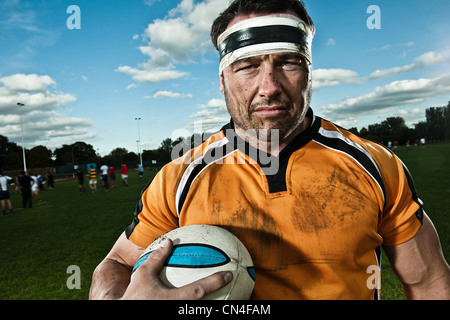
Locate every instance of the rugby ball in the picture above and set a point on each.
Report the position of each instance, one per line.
(201, 250)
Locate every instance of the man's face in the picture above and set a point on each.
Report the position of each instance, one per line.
(268, 92)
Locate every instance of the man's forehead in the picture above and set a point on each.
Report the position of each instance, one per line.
(274, 56)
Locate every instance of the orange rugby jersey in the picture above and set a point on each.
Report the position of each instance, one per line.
(313, 226)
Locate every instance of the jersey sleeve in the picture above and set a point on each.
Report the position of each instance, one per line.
(155, 212)
(402, 214)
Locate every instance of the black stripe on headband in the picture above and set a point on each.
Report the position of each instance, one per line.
(258, 35)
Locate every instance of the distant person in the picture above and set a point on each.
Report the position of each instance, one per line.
(104, 176)
(422, 142)
(93, 179)
(124, 174)
(4, 192)
(80, 175)
(112, 176)
(35, 187)
(25, 182)
(41, 182)
(141, 171)
(50, 180)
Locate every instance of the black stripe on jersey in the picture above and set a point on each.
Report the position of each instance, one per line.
(376, 293)
(359, 156)
(139, 206)
(419, 213)
(209, 157)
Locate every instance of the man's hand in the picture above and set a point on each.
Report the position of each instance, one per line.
(146, 285)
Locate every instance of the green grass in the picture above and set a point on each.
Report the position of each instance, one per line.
(71, 228)
(430, 168)
(66, 228)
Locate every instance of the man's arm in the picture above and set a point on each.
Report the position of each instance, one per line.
(420, 264)
(112, 275)
(111, 278)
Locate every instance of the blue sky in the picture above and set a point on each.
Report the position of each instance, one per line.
(152, 59)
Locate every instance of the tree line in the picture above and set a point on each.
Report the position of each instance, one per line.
(435, 128)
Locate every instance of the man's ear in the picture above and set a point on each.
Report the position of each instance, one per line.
(222, 87)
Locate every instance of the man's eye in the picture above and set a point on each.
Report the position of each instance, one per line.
(246, 68)
(290, 63)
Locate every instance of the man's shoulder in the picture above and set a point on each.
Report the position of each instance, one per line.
(188, 153)
(334, 136)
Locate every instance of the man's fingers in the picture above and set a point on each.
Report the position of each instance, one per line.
(149, 272)
(155, 261)
(203, 287)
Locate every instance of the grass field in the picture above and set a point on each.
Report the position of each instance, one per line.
(70, 228)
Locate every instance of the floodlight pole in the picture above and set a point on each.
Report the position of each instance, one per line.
(139, 141)
(23, 147)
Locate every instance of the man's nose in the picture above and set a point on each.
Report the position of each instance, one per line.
(269, 86)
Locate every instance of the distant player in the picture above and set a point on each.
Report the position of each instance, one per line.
(112, 176)
(4, 193)
(93, 179)
(141, 171)
(104, 176)
(80, 176)
(124, 174)
(35, 187)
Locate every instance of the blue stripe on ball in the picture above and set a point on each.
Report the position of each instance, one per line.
(192, 256)
(251, 271)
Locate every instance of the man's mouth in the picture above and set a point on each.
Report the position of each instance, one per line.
(271, 111)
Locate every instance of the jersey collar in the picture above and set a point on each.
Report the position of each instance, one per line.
(266, 160)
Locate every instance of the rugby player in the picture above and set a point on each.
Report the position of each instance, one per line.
(313, 203)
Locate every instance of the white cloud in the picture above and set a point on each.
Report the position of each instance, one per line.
(151, 76)
(210, 117)
(388, 46)
(170, 94)
(426, 59)
(331, 42)
(394, 94)
(28, 83)
(150, 2)
(181, 37)
(42, 123)
(332, 77)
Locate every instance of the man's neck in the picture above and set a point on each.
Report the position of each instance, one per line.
(270, 145)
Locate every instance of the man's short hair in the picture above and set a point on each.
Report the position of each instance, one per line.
(246, 7)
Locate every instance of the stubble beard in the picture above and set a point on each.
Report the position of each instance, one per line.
(265, 130)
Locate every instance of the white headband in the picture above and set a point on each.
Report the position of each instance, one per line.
(264, 35)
